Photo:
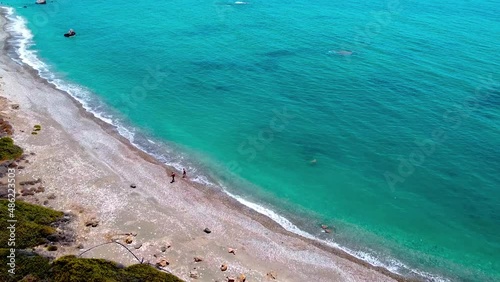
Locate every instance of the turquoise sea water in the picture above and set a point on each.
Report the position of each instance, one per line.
(404, 131)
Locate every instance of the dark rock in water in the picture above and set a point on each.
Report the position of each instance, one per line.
(206, 230)
(41, 2)
(133, 186)
(278, 53)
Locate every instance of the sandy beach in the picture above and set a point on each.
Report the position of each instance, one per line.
(87, 170)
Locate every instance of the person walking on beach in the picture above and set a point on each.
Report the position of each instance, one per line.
(173, 177)
(184, 174)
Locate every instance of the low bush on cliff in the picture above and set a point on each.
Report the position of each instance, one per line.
(33, 267)
(32, 228)
(9, 151)
(70, 268)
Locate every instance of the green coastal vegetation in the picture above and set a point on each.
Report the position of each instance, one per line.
(8, 150)
(31, 230)
(34, 224)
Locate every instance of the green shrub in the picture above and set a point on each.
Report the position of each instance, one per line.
(27, 263)
(32, 225)
(32, 228)
(144, 272)
(9, 151)
(70, 268)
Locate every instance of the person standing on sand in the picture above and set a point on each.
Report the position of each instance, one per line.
(173, 177)
(184, 174)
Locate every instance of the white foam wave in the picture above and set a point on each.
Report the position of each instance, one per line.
(23, 42)
(394, 266)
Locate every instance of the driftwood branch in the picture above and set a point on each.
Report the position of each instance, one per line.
(116, 242)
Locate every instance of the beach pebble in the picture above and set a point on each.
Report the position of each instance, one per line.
(80, 246)
(162, 262)
(328, 231)
(133, 186)
(198, 259)
(231, 251)
(272, 275)
(223, 267)
(94, 222)
(129, 240)
(206, 230)
(15, 106)
(194, 274)
(242, 278)
(138, 246)
(231, 279)
(163, 249)
(324, 226)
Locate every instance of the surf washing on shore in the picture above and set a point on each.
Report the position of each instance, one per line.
(380, 119)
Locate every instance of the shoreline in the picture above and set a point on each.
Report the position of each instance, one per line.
(209, 194)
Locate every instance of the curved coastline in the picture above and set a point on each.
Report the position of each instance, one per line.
(266, 217)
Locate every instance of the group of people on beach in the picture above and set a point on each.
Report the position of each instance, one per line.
(184, 175)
